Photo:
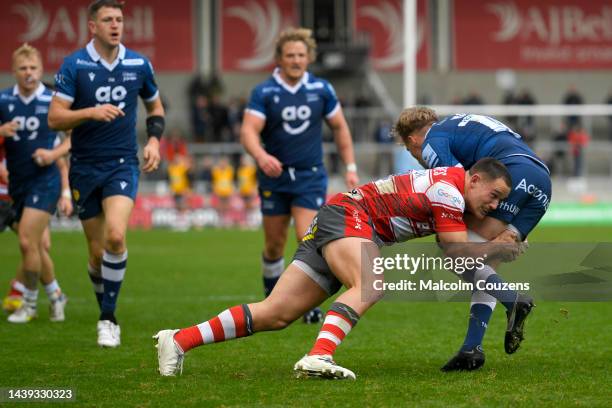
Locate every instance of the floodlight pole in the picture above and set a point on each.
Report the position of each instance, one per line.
(410, 52)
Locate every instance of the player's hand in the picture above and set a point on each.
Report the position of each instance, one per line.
(270, 165)
(65, 206)
(508, 252)
(351, 179)
(9, 129)
(43, 157)
(151, 155)
(106, 113)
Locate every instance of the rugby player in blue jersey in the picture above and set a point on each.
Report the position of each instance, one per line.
(282, 130)
(461, 140)
(36, 190)
(97, 96)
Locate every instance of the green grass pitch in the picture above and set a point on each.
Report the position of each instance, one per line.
(178, 279)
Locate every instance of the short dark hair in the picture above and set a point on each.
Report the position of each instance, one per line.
(492, 169)
(93, 8)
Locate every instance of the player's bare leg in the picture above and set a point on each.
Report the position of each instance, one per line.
(275, 237)
(57, 300)
(117, 210)
(346, 257)
(30, 232)
(302, 218)
(94, 233)
(294, 294)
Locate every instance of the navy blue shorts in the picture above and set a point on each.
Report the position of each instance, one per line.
(530, 195)
(93, 182)
(40, 194)
(305, 188)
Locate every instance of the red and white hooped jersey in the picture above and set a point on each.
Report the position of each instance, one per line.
(413, 204)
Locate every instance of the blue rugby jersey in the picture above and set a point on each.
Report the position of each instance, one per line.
(33, 133)
(463, 139)
(86, 80)
(294, 118)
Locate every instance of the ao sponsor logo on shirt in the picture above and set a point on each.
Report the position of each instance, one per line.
(28, 124)
(294, 113)
(108, 94)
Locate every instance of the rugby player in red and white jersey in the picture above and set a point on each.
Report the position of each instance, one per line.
(383, 212)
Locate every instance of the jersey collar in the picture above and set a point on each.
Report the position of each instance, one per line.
(291, 89)
(93, 54)
(39, 91)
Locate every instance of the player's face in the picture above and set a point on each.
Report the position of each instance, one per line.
(107, 27)
(28, 71)
(483, 196)
(293, 61)
(415, 144)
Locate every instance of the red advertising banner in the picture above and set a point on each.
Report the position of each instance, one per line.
(159, 29)
(382, 21)
(249, 29)
(524, 34)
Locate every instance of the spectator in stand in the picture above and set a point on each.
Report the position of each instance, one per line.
(204, 173)
(178, 178)
(525, 124)
(219, 120)
(173, 145)
(557, 160)
(247, 185)
(578, 139)
(473, 98)
(223, 186)
(573, 97)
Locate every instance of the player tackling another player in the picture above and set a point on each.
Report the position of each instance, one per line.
(36, 188)
(97, 96)
(343, 239)
(461, 140)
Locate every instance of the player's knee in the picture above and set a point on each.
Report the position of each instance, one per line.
(274, 249)
(115, 240)
(27, 245)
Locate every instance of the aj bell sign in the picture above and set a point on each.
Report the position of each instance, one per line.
(547, 34)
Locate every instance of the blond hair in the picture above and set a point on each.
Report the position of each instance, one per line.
(411, 120)
(297, 34)
(27, 51)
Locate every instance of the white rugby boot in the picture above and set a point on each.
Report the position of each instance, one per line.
(109, 334)
(322, 366)
(169, 355)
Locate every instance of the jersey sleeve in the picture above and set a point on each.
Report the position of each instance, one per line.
(447, 206)
(332, 105)
(436, 152)
(65, 81)
(149, 91)
(257, 105)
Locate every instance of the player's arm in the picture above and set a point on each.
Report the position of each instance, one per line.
(61, 117)
(65, 202)
(155, 129)
(455, 245)
(45, 157)
(252, 125)
(344, 143)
